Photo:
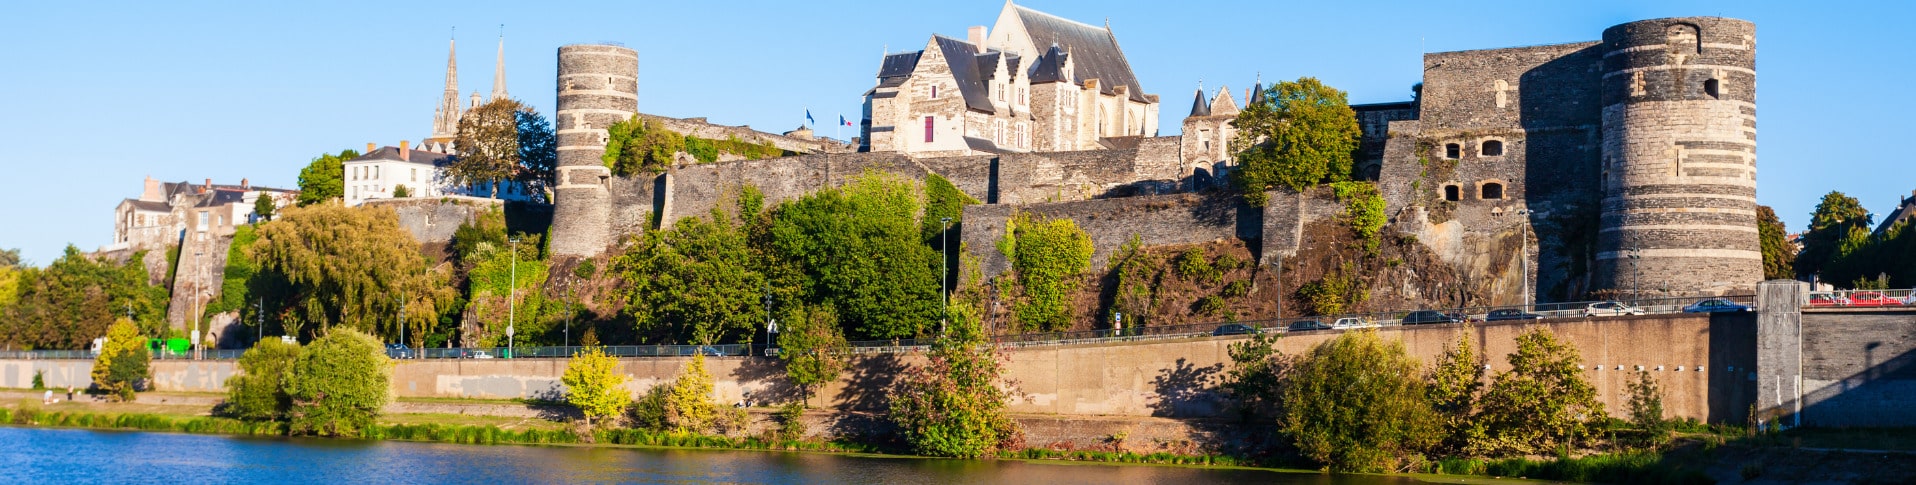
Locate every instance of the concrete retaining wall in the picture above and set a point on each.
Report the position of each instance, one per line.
(168, 375)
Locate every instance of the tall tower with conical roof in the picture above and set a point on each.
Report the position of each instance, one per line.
(445, 119)
(499, 70)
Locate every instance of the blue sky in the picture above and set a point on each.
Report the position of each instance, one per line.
(99, 95)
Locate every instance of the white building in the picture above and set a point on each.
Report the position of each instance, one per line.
(383, 171)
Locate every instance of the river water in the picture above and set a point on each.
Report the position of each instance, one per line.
(35, 455)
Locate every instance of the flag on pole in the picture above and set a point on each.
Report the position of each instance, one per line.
(841, 121)
(808, 117)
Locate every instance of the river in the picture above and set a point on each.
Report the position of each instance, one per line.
(37, 455)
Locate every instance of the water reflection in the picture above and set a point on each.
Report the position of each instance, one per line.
(44, 455)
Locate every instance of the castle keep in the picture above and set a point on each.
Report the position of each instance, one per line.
(1543, 173)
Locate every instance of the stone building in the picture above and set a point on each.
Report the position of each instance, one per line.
(1037, 82)
(166, 213)
(445, 117)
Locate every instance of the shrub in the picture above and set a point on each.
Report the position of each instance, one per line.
(1237, 289)
(1137, 273)
(339, 384)
(1047, 256)
(952, 406)
(1357, 404)
(1646, 409)
(585, 269)
(1208, 306)
(685, 405)
(123, 360)
(791, 421)
(594, 385)
(1255, 381)
(39, 380)
(258, 392)
(1541, 403)
(401, 192)
(1191, 265)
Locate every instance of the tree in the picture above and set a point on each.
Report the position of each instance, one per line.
(401, 191)
(694, 282)
(123, 360)
(339, 385)
(1453, 385)
(1646, 408)
(1542, 402)
(488, 145)
(859, 249)
(1357, 404)
(264, 205)
(10, 258)
(538, 151)
(259, 390)
(594, 385)
(953, 405)
(1779, 259)
(325, 178)
(342, 266)
(813, 348)
(1303, 134)
(1047, 255)
(1833, 222)
(637, 146)
(74, 299)
(1255, 382)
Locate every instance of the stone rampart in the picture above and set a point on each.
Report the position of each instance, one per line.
(434, 220)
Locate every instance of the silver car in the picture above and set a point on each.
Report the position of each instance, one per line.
(1608, 308)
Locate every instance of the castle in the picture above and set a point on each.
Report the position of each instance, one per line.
(1544, 172)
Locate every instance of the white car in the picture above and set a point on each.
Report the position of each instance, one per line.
(1605, 308)
(1349, 322)
(480, 354)
(1911, 299)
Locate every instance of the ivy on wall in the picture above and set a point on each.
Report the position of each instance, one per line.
(1047, 255)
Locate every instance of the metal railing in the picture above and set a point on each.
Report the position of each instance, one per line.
(1646, 306)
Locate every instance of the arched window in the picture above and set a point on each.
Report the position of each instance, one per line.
(1491, 191)
(1453, 150)
(1453, 193)
(1711, 88)
(1492, 148)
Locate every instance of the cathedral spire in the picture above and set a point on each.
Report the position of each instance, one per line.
(445, 119)
(499, 72)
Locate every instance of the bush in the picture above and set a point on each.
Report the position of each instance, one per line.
(1357, 404)
(594, 384)
(1237, 289)
(1542, 403)
(1258, 372)
(1191, 265)
(1646, 409)
(685, 405)
(791, 421)
(258, 392)
(1047, 256)
(339, 384)
(1208, 306)
(585, 269)
(952, 406)
(39, 380)
(123, 361)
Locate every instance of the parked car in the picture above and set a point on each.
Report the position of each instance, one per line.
(398, 351)
(478, 354)
(1871, 298)
(1308, 325)
(1827, 300)
(1510, 314)
(1423, 317)
(1350, 322)
(1715, 305)
(1911, 300)
(1233, 329)
(1606, 308)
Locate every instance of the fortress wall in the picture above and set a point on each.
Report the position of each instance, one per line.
(434, 220)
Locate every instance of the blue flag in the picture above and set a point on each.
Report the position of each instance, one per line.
(808, 117)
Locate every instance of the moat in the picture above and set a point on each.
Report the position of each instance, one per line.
(79, 456)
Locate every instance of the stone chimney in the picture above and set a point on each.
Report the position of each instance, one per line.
(207, 185)
(976, 36)
(405, 150)
(369, 148)
(244, 185)
(152, 192)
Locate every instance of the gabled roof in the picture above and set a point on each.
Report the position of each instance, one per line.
(391, 154)
(1224, 104)
(148, 205)
(959, 56)
(1050, 66)
(897, 68)
(1096, 50)
(1200, 106)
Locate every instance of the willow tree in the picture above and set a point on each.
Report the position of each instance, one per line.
(350, 267)
(1302, 134)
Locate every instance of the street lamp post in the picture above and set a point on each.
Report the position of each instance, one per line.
(199, 286)
(402, 322)
(1523, 257)
(512, 286)
(1636, 275)
(944, 270)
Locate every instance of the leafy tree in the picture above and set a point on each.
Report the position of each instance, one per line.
(538, 151)
(1646, 408)
(694, 282)
(1255, 382)
(259, 390)
(1454, 383)
(1137, 274)
(339, 384)
(264, 205)
(1357, 404)
(1303, 134)
(859, 249)
(953, 405)
(1048, 256)
(325, 178)
(594, 385)
(942, 200)
(122, 362)
(813, 348)
(1542, 402)
(1833, 222)
(488, 145)
(1779, 259)
(344, 266)
(75, 298)
(685, 405)
(637, 146)
(10, 258)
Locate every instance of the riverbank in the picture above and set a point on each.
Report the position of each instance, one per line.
(1793, 457)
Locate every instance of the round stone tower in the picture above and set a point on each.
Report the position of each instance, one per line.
(598, 86)
(1679, 157)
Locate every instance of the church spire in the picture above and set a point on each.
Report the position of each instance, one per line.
(445, 119)
(499, 72)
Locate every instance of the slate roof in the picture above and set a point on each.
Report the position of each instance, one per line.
(964, 70)
(897, 68)
(1200, 107)
(983, 145)
(418, 156)
(1050, 66)
(1096, 50)
(148, 205)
